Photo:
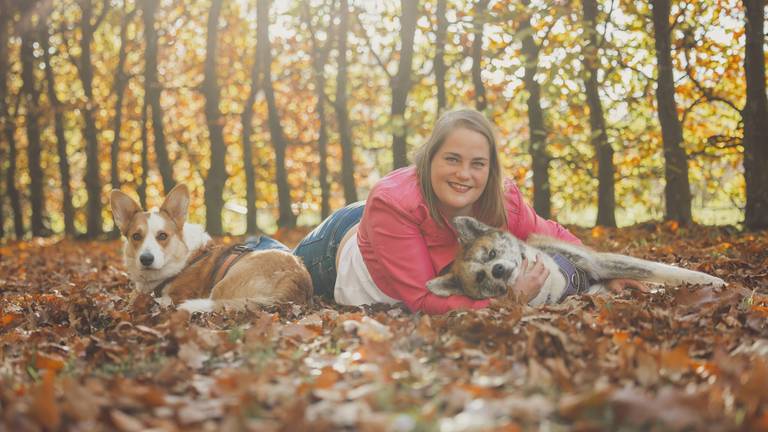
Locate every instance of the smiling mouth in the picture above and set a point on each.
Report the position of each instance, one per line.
(458, 187)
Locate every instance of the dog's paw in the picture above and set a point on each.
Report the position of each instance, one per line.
(197, 305)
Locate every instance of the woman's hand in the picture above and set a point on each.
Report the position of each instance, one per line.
(529, 282)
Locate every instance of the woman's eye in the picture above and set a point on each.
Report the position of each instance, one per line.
(136, 236)
(492, 254)
(479, 164)
(162, 236)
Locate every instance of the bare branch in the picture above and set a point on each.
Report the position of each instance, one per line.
(370, 48)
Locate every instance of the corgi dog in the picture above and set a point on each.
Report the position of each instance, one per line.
(180, 264)
(489, 263)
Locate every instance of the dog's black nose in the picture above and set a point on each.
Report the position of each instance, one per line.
(147, 259)
(498, 271)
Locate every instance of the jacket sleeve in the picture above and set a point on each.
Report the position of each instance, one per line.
(402, 259)
(524, 221)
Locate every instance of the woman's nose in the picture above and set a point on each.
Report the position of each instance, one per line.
(463, 172)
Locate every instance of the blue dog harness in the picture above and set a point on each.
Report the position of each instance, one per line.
(576, 279)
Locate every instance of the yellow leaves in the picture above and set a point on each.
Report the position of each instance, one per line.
(598, 231)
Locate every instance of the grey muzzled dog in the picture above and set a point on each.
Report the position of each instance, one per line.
(489, 260)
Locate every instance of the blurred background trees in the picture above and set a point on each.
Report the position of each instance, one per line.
(276, 113)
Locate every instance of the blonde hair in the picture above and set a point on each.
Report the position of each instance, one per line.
(489, 208)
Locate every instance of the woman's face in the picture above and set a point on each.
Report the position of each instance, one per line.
(459, 171)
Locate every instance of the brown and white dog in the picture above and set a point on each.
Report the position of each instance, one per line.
(180, 263)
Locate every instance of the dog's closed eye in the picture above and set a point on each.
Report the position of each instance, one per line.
(480, 276)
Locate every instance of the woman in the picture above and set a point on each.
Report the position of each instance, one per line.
(387, 249)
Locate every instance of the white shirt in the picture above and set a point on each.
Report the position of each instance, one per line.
(354, 285)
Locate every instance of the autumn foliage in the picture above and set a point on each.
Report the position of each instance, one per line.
(77, 356)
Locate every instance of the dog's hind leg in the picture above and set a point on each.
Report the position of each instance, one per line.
(615, 266)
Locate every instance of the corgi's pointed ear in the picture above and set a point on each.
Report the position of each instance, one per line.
(469, 228)
(123, 209)
(445, 285)
(176, 204)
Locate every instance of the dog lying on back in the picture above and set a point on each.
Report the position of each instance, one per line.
(179, 262)
(489, 263)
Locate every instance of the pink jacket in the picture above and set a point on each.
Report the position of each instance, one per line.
(403, 247)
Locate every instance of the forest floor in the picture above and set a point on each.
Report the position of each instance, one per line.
(76, 356)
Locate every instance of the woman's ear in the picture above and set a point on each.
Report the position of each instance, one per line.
(446, 285)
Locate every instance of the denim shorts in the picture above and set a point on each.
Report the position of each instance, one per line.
(318, 248)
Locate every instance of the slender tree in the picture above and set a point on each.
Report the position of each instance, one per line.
(481, 13)
(61, 139)
(141, 188)
(319, 54)
(247, 122)
(8, 121)
(755, 118)
(677, 191)
(440, 67)
(286, 217)
(121, 82)
(88, 26)
(217, 173)
(538, 132)
(606, 198)
(32, 121)
(152, 91)
(340, 105)
(401, 83)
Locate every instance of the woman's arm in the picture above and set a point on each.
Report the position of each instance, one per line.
(398, 260)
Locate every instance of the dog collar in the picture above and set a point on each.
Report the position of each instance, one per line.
(577, 280)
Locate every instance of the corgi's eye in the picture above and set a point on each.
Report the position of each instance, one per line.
(492, 254)
(136, 236)
(162, 236)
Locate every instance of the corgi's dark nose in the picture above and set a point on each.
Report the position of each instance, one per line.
(146, 259)
(498, 271)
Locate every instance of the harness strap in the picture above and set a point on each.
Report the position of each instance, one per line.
(577, 280)
(226, 261)
(223, 263)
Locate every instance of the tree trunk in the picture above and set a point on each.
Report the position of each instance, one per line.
(34, 148)
(677, 191)
(8, 123)
(319, 58)
(342, 112)
(401, 84)
(481, 11)
(121, 81)
(538, 133)
(606, 198)
(755, 119)
(61, 139)
(5, 15)
(141, 188)
(440, 68)
(286, 218)
(152, 93)
(250, 175)
(85, 69)
(217, 173)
